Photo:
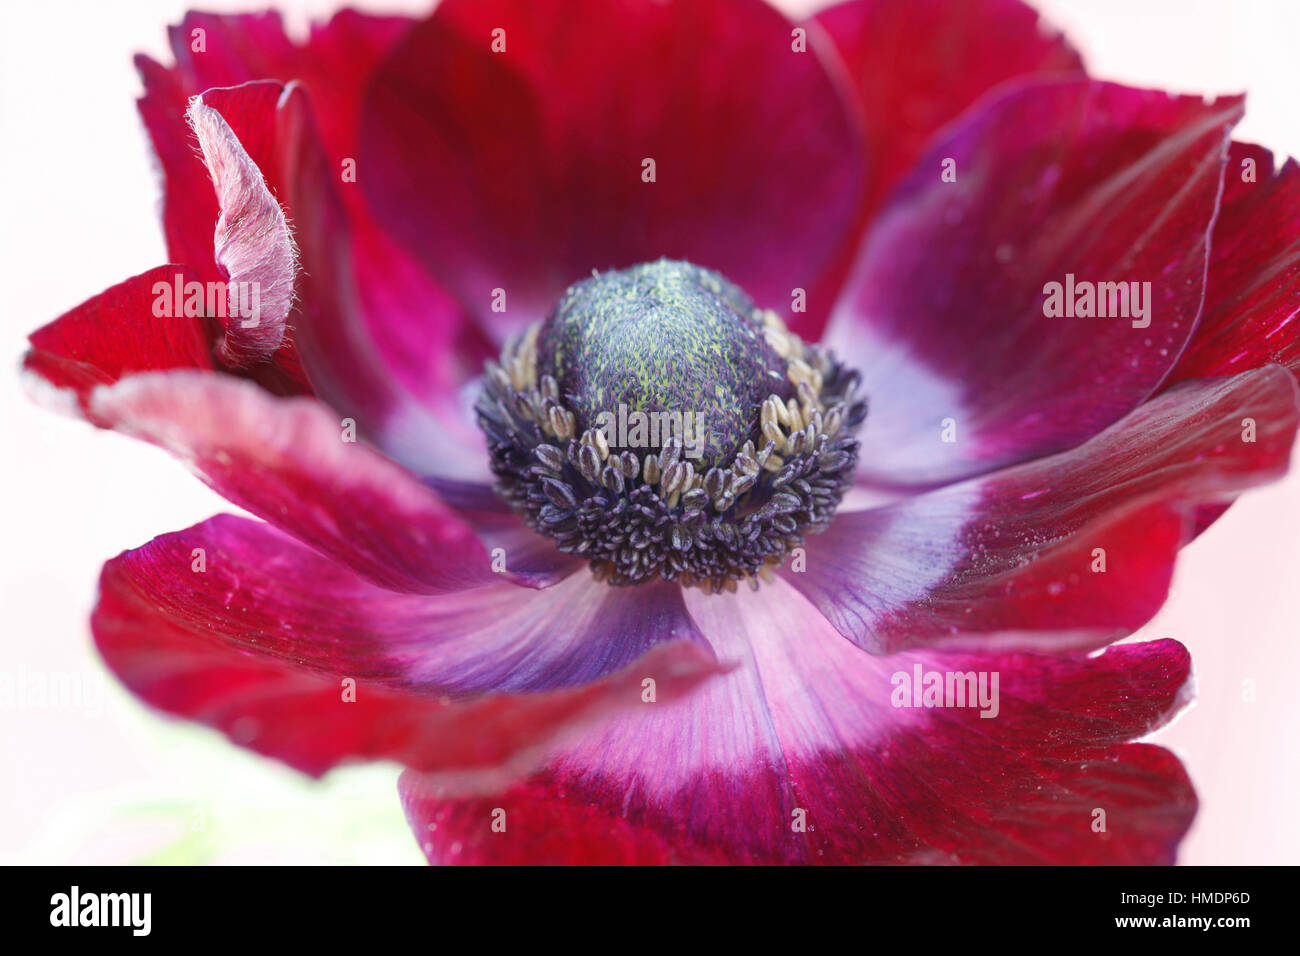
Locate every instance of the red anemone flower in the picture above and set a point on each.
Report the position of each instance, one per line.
(855, 621)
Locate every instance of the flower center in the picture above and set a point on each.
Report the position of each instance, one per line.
(660, 425)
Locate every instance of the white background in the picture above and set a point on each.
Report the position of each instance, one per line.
(108, 781)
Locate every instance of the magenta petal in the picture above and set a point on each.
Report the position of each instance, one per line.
(915, 65)
(236, 626)
(945, 316)
(417, 330)
(1252, 298)
(289, 460)
(1072, 550)
(259, 590)
(801, 756)
(523, 170)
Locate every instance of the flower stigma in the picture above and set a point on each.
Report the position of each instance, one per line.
(660, 425)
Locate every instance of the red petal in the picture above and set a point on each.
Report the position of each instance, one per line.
(1013, 556)
(238, 49)
(523, 170)
(189, 204)
(334, 63)
(290, 461)
(349, 287)
(116, 333)
(805, 733)
(260, 639)
(1252, 298)
(917, 64)
(946, 317)
(238, 137)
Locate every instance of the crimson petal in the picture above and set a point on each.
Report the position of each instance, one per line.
(355, 285)
(347, 286)
(522, 169)
(335, 61)
(289, 460)
(1253, 287)
(248, 242)
(239, 627)
(1071, 550)
(916, 65)
(116, 333)
(191, 210)
(238, 49)
(945, 316)
(801, 756)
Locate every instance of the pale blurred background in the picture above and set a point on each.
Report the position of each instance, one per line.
(106, 781)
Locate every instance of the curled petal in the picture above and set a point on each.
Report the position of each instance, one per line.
(252, 243)
(334, 63)
(356, 291)
(240, 48)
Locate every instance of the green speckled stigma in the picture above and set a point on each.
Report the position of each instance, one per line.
(773, 453)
